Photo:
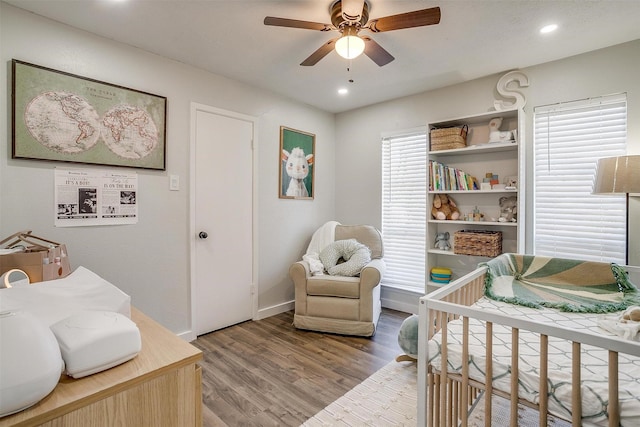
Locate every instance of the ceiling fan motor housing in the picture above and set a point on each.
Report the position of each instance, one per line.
(340, 22)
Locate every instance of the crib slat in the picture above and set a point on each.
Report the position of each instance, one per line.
(443, 376)
(514, 377)
(473, 392)
(450, 398)
(455, 407)
(614, 403)
(431, 325)
(544, 375)
(436, 402)
(576, 394)
(488, 393)
(464, 404)
(430, 396)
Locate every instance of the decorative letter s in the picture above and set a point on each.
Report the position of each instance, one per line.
(504, 91)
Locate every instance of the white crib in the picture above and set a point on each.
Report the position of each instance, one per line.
(446, 394)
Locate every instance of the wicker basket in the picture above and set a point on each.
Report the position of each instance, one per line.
(449, 138)
(477, 242)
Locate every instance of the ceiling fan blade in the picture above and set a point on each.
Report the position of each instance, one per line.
(417, 18)
(352, 9)
(376, 52)
(295, 23)
(320, 53)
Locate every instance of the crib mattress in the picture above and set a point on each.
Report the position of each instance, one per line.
(594, 362)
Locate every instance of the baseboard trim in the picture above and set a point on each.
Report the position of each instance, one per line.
(392, 298)
(274, 309)
(403, 300)
(262, 314)
(187, 336)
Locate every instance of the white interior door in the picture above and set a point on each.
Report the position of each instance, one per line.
(222, 191)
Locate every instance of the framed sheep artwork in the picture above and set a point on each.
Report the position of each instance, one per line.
(297, 156)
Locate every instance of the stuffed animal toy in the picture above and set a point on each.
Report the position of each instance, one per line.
(442, 241)
(408, 339)
(508, 209)
(632, 313)
(444, 207)
(495, 134)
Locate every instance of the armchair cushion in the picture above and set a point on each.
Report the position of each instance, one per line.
(334, 286)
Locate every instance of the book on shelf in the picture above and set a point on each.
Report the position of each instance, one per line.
(445, 178)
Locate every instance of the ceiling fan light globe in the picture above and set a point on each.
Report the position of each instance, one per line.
(349, 47)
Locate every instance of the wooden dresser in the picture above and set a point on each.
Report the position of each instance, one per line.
(162, 386)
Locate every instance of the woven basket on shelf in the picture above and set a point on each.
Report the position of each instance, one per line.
(449, 138)
(477, 242)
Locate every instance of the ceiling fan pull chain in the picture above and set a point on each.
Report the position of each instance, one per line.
(349, 79)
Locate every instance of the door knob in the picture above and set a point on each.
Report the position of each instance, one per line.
(203, 235)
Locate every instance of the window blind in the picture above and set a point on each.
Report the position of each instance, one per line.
(569, 139)
(404, 195)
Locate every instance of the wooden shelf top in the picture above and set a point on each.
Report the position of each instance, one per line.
(513, 190)
(474, 223)
(492, 147)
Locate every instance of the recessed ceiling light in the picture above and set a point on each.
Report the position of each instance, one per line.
(548, 28)
(343, 91)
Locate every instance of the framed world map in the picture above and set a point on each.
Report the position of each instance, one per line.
(64, 117)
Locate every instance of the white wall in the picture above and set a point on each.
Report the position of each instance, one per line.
(358, 132)
(150, 260)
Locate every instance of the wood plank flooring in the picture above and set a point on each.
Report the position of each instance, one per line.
(267, 373)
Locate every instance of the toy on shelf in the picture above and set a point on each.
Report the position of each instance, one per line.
(476, 215)
(493, 182)
(441, 275)
(442, 241)
(444, 207)
(508, 209)
(511, 183)
(495, 134)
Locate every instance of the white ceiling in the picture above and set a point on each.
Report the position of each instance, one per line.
(475, 38)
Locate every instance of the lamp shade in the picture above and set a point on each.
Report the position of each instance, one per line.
(350, 46)
(618, 175)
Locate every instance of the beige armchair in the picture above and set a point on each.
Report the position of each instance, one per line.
(337, 304)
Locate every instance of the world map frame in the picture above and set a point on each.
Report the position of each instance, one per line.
(59, 116)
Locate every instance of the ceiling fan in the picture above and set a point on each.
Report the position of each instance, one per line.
(349, 17)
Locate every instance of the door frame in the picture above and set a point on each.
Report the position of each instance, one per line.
(195, 108)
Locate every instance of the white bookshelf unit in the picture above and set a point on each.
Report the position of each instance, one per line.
(479, 157)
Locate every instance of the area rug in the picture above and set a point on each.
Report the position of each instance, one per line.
(500, 414)
(386, 398)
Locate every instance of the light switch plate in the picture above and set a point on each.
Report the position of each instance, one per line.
(174, 182)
